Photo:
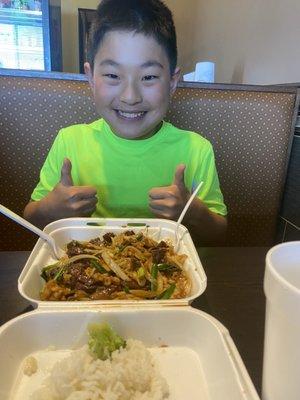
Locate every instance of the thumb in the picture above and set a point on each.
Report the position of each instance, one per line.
(179, 176)
(65, 177)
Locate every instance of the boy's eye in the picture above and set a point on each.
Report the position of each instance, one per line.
(149, 77)
(111, 76)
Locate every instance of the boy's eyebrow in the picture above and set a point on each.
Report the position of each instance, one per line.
(147, 64)
(152, 63)
(109, 62)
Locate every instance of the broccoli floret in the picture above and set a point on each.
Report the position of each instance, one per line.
(103, 340)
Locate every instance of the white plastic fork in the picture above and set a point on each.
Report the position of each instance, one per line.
(177, 238)
(58, 252)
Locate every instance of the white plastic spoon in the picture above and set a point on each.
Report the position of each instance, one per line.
(177, 239)
(58, 252)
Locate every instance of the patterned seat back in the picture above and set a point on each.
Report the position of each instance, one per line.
(249, 127)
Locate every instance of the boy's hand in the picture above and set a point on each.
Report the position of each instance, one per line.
(169, 201)
(67, 200)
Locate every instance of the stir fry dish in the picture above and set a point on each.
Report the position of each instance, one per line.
(127, 265)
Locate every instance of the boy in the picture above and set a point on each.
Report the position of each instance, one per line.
(131, 163)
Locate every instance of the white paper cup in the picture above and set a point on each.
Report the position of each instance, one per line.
(205, 72)
(281, 369)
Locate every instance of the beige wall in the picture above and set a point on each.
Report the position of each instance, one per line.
(251, 41)
(69, 22)
(186, 16)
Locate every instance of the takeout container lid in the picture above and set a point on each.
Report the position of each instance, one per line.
(200, 339)
(63, 231)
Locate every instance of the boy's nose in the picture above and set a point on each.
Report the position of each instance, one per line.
(131, 94)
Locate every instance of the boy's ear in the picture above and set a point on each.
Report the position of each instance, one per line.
(89, 74)
(174, 80)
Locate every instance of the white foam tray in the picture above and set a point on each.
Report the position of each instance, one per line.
(201, 361)
(63, 231)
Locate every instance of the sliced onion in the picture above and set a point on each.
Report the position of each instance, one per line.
(113, 266)
(84, 256)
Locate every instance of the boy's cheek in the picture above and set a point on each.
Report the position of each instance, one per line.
(104, 92)
(157, 94)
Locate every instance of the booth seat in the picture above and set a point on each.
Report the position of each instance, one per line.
(250, 127)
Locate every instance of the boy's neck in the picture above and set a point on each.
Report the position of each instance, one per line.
(147, 136)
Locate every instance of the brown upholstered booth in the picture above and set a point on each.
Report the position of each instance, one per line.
(250, 128)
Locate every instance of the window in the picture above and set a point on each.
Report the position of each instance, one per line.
(24, 35)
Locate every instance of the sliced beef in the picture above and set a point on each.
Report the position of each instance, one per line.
(97, 241)
(105, 292)
(87, 288)
(135, 263)
(74, 248)
(129, 233)
(107, 238)
(158, 254)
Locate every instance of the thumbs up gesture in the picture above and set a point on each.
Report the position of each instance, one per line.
(67, 200)
(169, 201)
(65, 175)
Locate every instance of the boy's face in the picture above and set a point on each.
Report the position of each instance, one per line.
(131, 83)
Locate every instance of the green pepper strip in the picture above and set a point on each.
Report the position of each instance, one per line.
(166, 294)
(167, 267)
(98, 267)
(59, 273)
(126, 289)
(121, 248)
(48, 268)
(44, 276)
(154, 272)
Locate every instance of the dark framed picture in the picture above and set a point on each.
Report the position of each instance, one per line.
(85, 18)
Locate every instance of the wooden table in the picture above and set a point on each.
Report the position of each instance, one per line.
(234, 296)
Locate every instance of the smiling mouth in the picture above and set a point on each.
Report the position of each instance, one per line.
(130, 116)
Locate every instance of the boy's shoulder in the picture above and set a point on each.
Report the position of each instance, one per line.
(79, 129)
(195, 138)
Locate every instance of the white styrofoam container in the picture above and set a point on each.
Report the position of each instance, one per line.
(63, 231)
(200, 362)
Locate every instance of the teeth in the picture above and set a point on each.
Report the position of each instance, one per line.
(130, 115)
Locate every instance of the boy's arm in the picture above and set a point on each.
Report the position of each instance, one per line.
(64, 201)
(205, 226)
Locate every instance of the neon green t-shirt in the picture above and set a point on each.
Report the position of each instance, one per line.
(123, 171)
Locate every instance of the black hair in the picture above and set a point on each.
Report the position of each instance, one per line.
(149, 17)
